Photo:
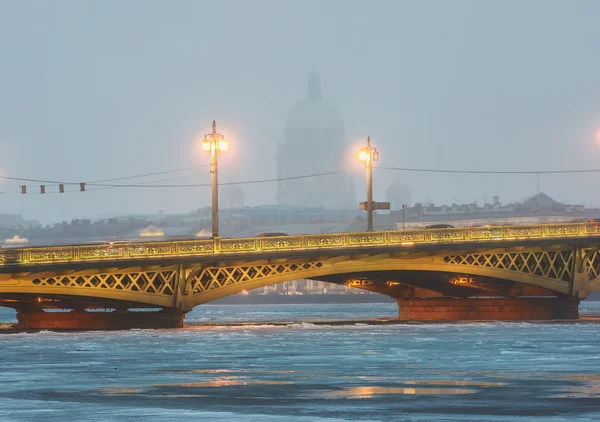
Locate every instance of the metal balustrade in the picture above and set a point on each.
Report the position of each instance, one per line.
(140, 250)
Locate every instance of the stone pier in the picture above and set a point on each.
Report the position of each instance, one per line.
(491, 309)
(85, 320)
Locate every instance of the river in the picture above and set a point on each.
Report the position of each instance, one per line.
(304, 371)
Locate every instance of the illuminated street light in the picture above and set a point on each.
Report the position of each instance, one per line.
(369, 154)
(214, 142)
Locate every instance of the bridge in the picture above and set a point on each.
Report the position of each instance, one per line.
(488, 273)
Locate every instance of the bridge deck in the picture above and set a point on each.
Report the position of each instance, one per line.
(81, 256)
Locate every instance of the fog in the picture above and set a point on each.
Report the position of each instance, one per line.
(105, 89)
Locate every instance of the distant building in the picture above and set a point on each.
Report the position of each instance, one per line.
(231, 197)
(455, 209)
(8, 221)
(306, 287)
(16, 241)
(537, 209)
(397, 194)
(151, 231)
(314, 142)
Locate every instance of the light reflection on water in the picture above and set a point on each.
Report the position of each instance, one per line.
(455, 382)
(587, 390)
(116, 390)
(302, 372)
(227, 382)
(369, 392)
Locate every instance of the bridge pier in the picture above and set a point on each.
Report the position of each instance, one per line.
(490, 309)
(85, 320)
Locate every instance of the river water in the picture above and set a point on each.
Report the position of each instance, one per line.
(304, 371)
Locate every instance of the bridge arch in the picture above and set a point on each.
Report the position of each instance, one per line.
(149, 287)
(216, 282)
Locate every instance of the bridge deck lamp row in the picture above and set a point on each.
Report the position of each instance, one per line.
(369, 154)
(214, 142)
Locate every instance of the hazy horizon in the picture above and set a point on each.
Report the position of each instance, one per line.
(101, 90)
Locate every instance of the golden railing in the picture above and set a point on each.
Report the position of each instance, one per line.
(183, 248)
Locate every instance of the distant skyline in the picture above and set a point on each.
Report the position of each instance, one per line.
(98, 90)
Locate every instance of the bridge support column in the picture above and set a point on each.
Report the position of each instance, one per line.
(456, 309)
(83, 320)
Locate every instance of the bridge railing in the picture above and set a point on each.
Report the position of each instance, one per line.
(182, 248)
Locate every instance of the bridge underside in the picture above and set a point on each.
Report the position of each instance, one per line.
(440, 296)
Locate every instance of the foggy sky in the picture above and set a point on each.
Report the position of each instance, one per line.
(102, 89)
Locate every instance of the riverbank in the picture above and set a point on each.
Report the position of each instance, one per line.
(301, 299)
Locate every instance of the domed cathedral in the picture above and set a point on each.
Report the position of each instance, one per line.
(397, 194)
(314, 142)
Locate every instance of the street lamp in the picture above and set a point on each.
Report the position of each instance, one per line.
(369, 154)
(214, 142)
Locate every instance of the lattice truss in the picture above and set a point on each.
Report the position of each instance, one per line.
(592, 263)
(158, 282)
(214, 277)
(549, 264)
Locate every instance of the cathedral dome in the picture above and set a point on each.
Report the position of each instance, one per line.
(398, 194)
(314, 112)
(313, 125)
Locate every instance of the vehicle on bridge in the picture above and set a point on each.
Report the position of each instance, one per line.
(272, 234)
(113, 243)
(439, 226)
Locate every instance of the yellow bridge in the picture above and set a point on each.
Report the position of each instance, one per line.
(499, 272)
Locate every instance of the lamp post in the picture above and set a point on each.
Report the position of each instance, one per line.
(369, 154)
(213, 143)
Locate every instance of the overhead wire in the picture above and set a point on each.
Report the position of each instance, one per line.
(139, 184)
(195, 185)
(422, 170)
(147, 174)
(51, 183)
(102, 183)
(411, 169)
(54, 182)
(155, 183)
